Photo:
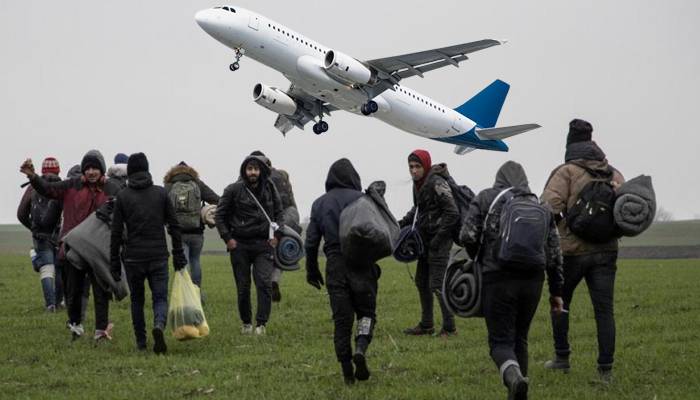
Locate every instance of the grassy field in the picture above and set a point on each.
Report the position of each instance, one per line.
(658, 346)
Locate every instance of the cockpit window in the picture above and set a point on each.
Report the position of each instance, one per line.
(227, 8)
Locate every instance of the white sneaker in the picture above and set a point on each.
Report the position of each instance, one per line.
(76, 330)
(260, 330)
(247, 329)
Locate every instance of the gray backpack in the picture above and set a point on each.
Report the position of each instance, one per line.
(186, 199)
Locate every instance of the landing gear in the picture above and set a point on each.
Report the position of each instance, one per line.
(369, 108)
(235, 65)
(320, 127)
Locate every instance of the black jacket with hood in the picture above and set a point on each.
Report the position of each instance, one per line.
(238, 215)
(343, 187)
(511, 174)
(437, 210)
(184, 173)
(144, 209)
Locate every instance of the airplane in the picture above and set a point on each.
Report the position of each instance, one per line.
(324, 80)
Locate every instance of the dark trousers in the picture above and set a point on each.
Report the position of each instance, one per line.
(430, 273)
(156, 273)
(75, 295)
(599, 272)
(353, 294)
(509, 304)
(258, 257)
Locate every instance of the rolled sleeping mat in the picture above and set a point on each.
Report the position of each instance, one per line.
(461, 287)
(409, 245)
(635, 206)
(289, 250)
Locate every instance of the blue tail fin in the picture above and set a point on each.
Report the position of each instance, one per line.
(486, 105)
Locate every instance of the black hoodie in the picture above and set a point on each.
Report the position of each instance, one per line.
(511, 174)
(238, 216)
(343, 186)
(145, 210)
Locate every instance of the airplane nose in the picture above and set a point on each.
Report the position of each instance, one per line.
(203, 19)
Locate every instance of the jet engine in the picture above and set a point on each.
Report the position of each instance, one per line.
(274, 99)
(347, 69)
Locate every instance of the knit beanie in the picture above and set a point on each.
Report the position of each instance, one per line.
(579, 131)
(50, 166)
(137, 163)
(121, 158)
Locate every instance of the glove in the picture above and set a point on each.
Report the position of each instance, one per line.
(116, 272)
(313, 275)
(179, 261)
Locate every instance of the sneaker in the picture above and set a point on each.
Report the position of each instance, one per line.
(105, 334)
(444, 333)
(159, 346)
(247, 329)
(76, 330)
(558, 363)
(361, 371)
(51, 309)
(605, 375)
(419, 330)
(61, 305)
(260, 330)
(276, 294)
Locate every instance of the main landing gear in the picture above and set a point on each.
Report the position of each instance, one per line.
(369, 108)
(320, 127)
(235, 65)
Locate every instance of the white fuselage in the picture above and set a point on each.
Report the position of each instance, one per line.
(301, 59)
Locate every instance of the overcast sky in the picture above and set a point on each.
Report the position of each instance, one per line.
(128, 76)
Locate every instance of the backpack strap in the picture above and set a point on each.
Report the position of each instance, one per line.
(486, 219)
(595, 173)
(273, 225)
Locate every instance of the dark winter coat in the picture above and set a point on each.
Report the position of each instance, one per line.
(38, 228)
(437, 210)
(343, 187)
(284, 187)
(185, 173)
(79, 198)
(237, 214)
(117, 174)
(511, 174)
(144, 209)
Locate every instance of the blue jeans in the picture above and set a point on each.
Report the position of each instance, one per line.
(156, 272)
(192, 243)
(599, 272)
(45, 263)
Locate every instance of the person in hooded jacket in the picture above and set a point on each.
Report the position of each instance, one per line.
(352, 287)
(509, 296)
(435, 215)
(80, 196)
(280, 178)
(192, 238)
(42, 216)
(248, 232)
(145, 209)
(594, 262)
(117, 172)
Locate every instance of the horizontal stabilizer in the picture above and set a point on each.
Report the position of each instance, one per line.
(503, 132)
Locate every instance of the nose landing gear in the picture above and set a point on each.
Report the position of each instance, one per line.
(235, 65)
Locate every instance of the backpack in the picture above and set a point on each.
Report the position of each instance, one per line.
(591, 218)
(523, 231)
(45, 213)
(463, 197)
(186, 199)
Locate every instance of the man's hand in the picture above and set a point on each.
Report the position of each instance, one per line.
(557, 305)
(231, 245)
(27, 168)
(273, 242)
(179, 261)
(313, 275)
(116, 272)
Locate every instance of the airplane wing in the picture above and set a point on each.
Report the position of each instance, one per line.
(396, 68)
(308, 109)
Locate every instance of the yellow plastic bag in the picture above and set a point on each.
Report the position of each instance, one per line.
(185, 313)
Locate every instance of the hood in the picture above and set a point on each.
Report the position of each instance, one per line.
(511, 174)
(117, 171)
(343, 175)
(94, 155)
(140, 180)
(264, 169)
(180, 169)
(74, 172)
(584, 151)
(425, 160)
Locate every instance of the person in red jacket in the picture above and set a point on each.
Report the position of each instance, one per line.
(80, 196)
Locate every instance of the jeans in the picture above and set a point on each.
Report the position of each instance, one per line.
(509, 304)
(51, 278)
(353, 293)
(430, 273)
(598, 270)
(257, 255)
(156, 272)
(192, 243)
(76, 295)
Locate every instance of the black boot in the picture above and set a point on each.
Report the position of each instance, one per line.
(361, 371)
(348, 373)
(515, 382)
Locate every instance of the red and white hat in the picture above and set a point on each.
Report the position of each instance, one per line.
(50, 166)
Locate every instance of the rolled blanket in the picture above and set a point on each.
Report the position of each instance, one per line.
(208, 212)
(289, 250)
(461, 287)
(635, 206)
(409, 246)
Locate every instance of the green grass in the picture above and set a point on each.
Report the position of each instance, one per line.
(658, 346)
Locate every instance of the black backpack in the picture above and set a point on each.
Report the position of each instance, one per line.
(463, 197)
(591, 217)
(45, 213)
(523, 231)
